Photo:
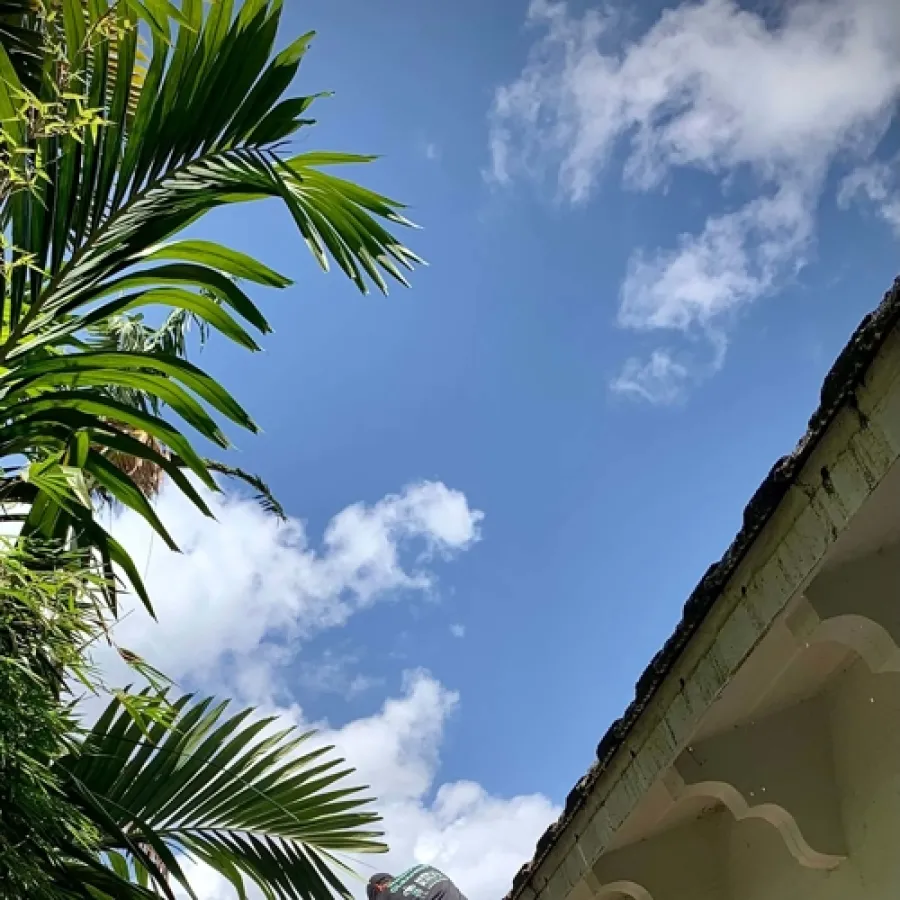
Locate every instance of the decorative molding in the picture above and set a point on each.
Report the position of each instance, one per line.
(777, 816)
(619, 889)
(615, 890)
(778, 769)
(855, 605)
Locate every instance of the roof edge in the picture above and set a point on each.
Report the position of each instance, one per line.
(838, 389)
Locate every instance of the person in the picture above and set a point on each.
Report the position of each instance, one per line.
(417, 883)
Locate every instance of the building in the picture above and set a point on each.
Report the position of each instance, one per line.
(761, 755)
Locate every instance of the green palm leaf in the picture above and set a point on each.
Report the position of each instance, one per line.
(22, 40)
(258, 806)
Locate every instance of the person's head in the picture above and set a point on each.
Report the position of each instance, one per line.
(377, 884)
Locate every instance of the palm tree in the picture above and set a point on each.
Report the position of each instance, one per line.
(104, 158)
(108, 150)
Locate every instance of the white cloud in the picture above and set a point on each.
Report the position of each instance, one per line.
(458, 631)
(247, 585)
(878, 184)
(432, 151)
(712, 87)
(234, 611)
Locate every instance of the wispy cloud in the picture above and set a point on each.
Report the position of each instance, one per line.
(458, 631)
(712, 87)
(736, 258)
(658, 380)
(331, 673)
(877, 185)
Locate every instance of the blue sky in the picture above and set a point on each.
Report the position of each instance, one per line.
(580, 223)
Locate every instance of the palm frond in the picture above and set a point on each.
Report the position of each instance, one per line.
(255, 804)
(20, 36)
(262, 492)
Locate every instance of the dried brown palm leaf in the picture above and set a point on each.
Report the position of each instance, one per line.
(146, 474)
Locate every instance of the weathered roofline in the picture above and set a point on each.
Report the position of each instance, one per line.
(838, 389)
